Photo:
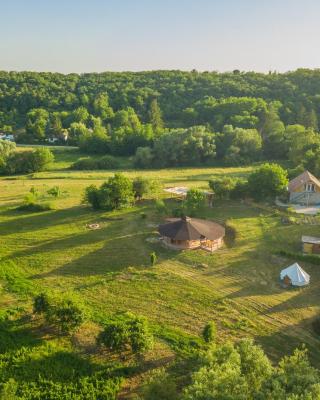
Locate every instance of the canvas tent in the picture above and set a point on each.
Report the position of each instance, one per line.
(296, 275)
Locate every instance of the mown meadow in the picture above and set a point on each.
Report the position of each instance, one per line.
(108, 271)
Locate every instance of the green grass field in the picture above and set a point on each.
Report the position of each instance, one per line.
(109, 271)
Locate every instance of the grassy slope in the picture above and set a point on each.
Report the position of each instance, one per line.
(109, 268)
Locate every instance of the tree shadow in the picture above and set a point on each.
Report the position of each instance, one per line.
(61, 366)
(14, 335)
(289, 337)
(37, 221)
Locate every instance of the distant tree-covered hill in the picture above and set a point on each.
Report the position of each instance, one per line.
(117, 113)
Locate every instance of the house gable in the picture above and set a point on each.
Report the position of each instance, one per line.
(306, 182)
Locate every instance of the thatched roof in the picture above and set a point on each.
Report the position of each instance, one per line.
(302, 179)
(191, 229)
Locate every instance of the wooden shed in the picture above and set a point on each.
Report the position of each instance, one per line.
(310, 244)
(192, 233)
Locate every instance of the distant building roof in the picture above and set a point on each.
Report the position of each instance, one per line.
(191, 229)
(182, 190)
(303, 178)
(310, 239)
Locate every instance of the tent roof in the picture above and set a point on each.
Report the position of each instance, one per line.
(191, 229)
(297, 275)
(303, 178)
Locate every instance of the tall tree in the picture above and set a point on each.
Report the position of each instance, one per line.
(37, 123)
(273, 135)
(155, 116)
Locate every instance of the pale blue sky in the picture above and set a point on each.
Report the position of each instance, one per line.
(117, 35)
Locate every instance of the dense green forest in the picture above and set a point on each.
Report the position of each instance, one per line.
(169, 118)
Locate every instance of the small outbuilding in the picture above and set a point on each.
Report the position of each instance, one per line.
(192, 233)
(310, 244)
(294, 275)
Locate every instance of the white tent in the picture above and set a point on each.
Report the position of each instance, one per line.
(297, 275)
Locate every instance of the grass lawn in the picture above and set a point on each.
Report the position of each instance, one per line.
(109, 270)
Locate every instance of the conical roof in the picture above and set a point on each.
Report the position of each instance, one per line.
(187, 228)
(297, 275)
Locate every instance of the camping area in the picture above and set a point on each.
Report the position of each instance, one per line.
(108, 271)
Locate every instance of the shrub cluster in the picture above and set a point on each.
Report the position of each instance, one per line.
(65, 314)
(128, 333)
(32, 204)
(25, 162)
(118, 192)
(106, 162)
(266, 182)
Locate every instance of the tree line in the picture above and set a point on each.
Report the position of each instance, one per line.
(169, 118)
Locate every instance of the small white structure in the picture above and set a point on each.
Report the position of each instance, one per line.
(9, 137)
(182, 191)
(295, 275)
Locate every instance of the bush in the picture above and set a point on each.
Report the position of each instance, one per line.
(114, 194)
(131, 333)
(115, 336)
(31, 204)
(54, 191)
(106, 162)
(141, 338)
(222, 187)
(28, 161)
(143, 186)
(6, 148)
(267, 182)
(84, 164)
(92, 196)
(161, 387)
(195, 201)
(240, 190)
(66, 315)
(40, 304)
(231, 234)
(209, 332)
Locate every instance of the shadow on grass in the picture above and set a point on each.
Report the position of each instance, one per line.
(290, 337)
(14, 335)
(28, 222)
(61, 366)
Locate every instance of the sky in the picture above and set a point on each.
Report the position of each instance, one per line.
(137, 35)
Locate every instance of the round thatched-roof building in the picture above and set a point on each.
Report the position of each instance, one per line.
(192, 233)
